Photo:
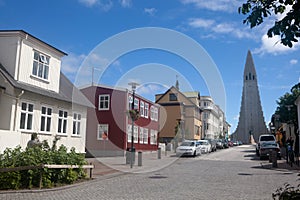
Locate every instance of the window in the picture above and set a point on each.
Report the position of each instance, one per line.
(153, 113)
(142, 109)
(146, 113)
(129, 132)
(135, 134)
(197, 130)
(141, 136)
(104, 102)
(102, 132)
(62, 121)
(46, 114)
(129, 102)
(145, 137)
(76, 123)
(136, 103)
(153, 137)
(40, 65)
(26, 116)
(172, 97)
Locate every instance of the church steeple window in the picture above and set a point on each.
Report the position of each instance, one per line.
(246, 77)
(249, 76)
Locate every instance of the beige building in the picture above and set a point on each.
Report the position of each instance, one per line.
(179, 111)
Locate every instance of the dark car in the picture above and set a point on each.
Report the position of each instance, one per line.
(213, 144)
(220, 144)
(266, 149)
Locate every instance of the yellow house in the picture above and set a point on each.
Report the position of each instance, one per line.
(179, 111)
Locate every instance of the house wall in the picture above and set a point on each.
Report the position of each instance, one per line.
(26, 63)
(8, 48)
(20, 137)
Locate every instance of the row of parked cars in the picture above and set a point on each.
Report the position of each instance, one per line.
(198, 147)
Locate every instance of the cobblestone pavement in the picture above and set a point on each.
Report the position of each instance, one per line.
(234, 173)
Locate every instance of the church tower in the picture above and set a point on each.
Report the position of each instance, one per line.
(251, 119)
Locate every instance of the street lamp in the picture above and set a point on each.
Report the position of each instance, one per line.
(133, 87)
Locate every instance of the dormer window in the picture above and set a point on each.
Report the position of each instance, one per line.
(40, 67)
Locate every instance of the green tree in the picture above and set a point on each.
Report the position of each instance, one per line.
(288, 27)
(287, 110)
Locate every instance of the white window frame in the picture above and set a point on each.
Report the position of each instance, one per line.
(129, 132)
(28, 114)
(155, 114)
(146, 113)
(146, 135)
(40, 67)
(135, 134)
(102, 128)
(76, 130)
(47, 117)
(104, 101)
(142, 109)
(153, 137)
(141, 135)
(129, 102)
(136, 103)
(152, 108)
(64, 122)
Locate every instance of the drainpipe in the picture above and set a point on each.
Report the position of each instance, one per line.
(16, 108)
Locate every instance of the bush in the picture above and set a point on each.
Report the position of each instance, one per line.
(36, 156)
(287, 192)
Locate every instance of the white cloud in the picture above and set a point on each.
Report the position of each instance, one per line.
(220, 28)
(293, 62)
(150, 11)
(104, 5)
(273, 46)
(71, 63)
(126, 3)
(200, 23)
(215, 5)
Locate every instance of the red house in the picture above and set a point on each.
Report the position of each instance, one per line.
(109, 125)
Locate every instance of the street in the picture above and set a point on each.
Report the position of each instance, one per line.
(234, 173)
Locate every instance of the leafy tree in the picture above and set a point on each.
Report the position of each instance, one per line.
(287, 110)
(288, 27)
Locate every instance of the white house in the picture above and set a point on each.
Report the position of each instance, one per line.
(35, 97)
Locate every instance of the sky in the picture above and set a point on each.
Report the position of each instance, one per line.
(87, 29)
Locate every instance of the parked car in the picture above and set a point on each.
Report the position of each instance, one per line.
(230, 143)
(219, 144)
(264, 138)
(213, 144)
(225, 144)
(189, 148)
(266, 149)
(205, 146)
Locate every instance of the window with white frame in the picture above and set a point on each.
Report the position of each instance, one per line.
(155, 114)
(152, 112)
(136, 134)
(129, 132)
(136, 103)
(146, 113)
(46, 114)
(102, 132)
(62, 121)
(76, 123)
(145, 137)
(142, 109)
(129, 102)
(40, 65)
(104, 102)
(153, 136)
(26, 116)
(141, 135)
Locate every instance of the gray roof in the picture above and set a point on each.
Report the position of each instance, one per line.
(67, 91)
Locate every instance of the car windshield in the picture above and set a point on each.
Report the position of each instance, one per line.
(187, 144)
(271, 144)
(203, 143)
(267, 138)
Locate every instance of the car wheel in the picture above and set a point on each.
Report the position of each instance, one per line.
(194, 155)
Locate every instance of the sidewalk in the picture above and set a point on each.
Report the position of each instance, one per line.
(150, 163)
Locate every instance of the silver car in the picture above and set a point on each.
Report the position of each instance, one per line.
(189, 148)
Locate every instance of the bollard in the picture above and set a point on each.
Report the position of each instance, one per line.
(159, 153)
(139, 158)
(274, 158)
(270, 156)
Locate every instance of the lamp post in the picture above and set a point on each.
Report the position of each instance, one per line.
(133, 87)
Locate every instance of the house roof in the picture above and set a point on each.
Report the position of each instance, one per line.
(24, 34)
(67, 91)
